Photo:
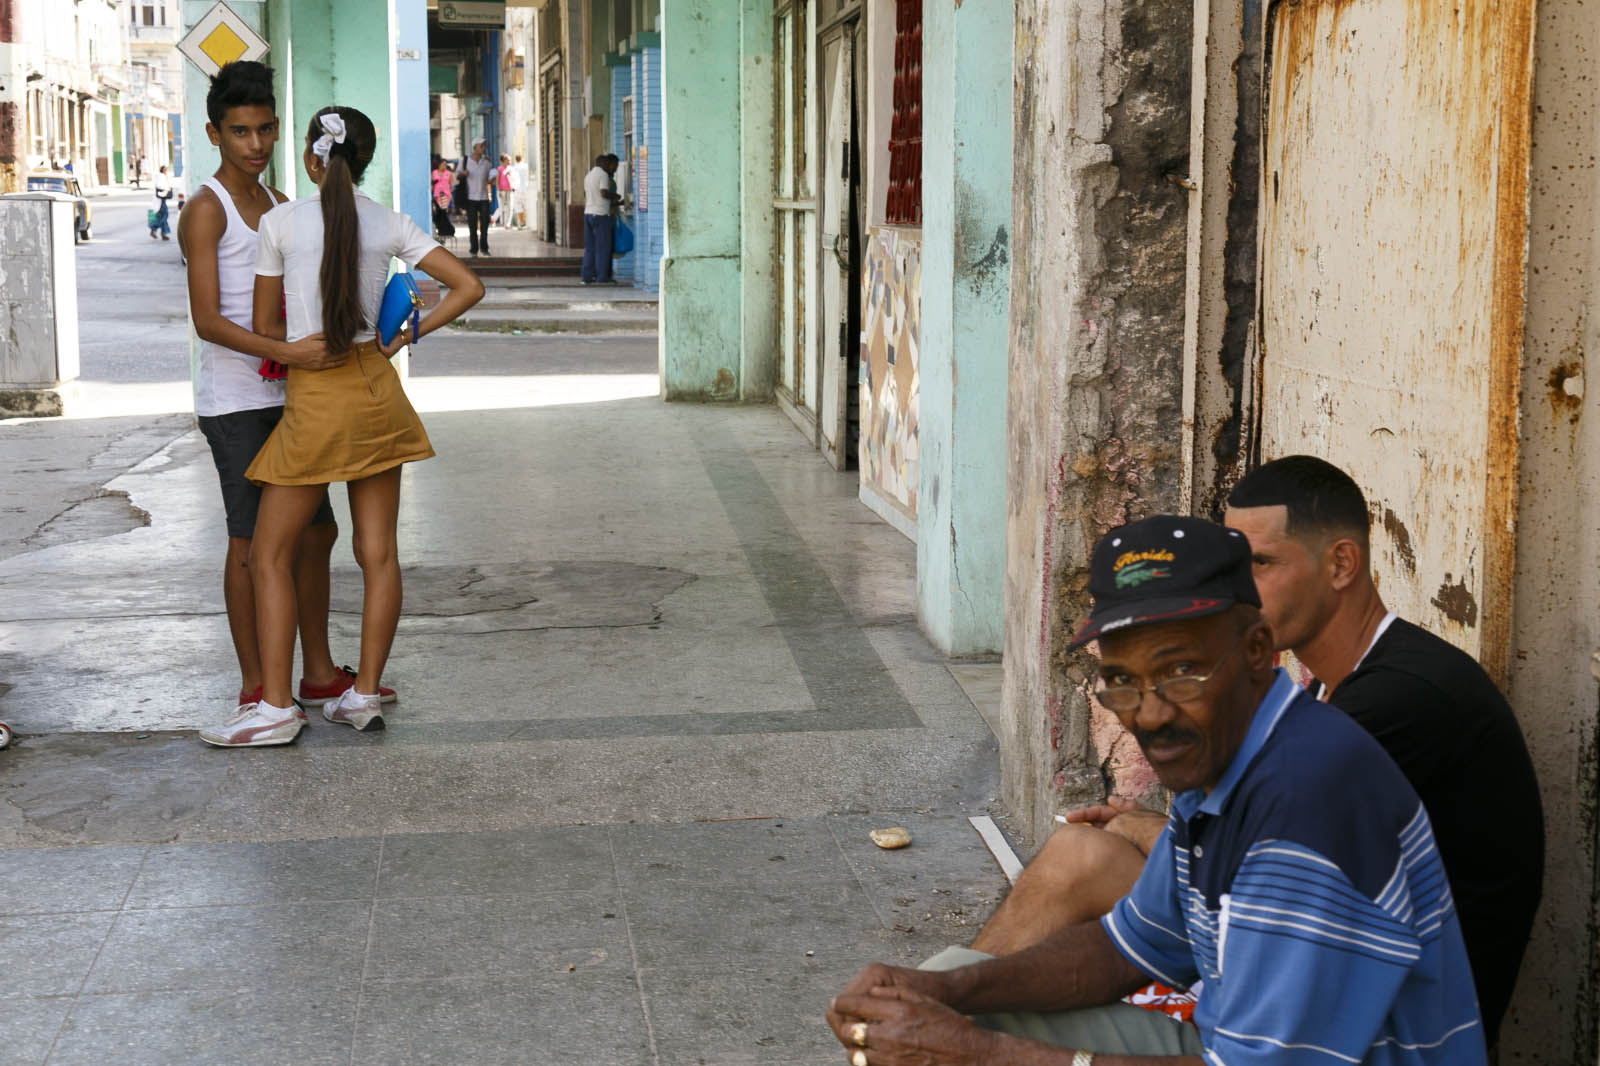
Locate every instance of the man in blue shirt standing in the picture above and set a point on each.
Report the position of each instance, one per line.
(1296, 879)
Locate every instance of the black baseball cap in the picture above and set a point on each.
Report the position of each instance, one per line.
(1163, 569)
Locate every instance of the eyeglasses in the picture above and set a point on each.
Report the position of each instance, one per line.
(1180, 689)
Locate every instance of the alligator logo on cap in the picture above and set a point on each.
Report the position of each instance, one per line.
(1135, 568)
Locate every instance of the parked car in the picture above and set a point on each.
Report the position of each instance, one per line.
(55, 181)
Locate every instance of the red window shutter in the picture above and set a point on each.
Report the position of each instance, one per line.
(905, 131)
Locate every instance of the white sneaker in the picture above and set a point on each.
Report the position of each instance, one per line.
(354, 709)
(255, 725)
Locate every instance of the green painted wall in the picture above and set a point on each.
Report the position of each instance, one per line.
(757, 236)
(966, 276)
(701, 316)
(328, 52)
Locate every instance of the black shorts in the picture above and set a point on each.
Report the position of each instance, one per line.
(235, 438)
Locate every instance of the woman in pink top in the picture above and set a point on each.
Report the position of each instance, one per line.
(503, 182)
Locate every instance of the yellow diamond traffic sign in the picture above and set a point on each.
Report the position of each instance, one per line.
(221, 36)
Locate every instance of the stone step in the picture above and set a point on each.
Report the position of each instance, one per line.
(629, 319)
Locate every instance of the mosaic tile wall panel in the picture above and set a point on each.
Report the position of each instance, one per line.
(891, 326)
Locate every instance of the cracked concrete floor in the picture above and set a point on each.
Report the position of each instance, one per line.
(659, 674)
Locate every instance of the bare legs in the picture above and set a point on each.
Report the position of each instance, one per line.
(284, 514)
(284, 594)
(310, 567)
(240, 599)
(1078, 875)
(311, 599)
(375, 509)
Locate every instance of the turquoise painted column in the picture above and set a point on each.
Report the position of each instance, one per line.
(758, 338)
(701, 318)
(966, 198)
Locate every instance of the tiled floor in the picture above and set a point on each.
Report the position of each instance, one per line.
(712, 942)
(660, 674)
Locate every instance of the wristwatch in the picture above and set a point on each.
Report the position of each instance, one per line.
(1082, 1058)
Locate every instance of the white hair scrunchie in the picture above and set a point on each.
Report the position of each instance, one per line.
(332, 134)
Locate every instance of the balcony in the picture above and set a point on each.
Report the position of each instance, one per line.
(153, 35)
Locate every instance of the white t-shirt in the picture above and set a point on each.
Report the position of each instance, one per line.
(290, 246)
(596, 184)
(519, 176)
(478, 171)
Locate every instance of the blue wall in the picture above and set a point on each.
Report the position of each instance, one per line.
(621, 86)
(650, 223)
(410, 117)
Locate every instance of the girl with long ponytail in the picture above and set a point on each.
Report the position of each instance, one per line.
(321, 265)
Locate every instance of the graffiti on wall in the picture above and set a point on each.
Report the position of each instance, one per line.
(891, 325)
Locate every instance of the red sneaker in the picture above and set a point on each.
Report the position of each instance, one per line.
(322, 695)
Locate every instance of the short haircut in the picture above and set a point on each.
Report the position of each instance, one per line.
(1321, 499)
(243, 83)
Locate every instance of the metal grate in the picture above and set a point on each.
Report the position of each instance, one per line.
(904, 206)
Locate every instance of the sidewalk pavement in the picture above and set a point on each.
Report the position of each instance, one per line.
(659, 674)
(510, 243)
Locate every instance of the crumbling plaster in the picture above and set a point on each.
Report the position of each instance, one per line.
(1097, 296)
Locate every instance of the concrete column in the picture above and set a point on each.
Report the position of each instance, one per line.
(38, 305)
(1556, 587)
(966, 273)
(701, 298)
(758, 341)
(1097, 296)
(408, 111)
(13, 98)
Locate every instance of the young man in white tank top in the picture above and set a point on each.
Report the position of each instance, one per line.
(238, 406)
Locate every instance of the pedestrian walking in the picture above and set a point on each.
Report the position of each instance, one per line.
(519, 191)
(480, 183)
(236, 404)
(158, 216)
(138, 169)
(599, 201)
(324, 261)
(503, 184)
(440, 178)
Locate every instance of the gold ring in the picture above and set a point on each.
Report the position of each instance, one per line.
(858, 1058)
(858, 1033)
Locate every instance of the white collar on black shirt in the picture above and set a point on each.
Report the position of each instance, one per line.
(1383, 627)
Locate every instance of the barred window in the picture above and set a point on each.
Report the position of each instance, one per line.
(905, 132)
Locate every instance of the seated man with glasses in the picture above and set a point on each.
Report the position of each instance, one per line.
(1432, 707)
(1296, 878)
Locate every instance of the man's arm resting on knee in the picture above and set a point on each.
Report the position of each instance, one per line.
(1076, 967)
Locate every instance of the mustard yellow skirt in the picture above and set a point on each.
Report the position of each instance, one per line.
(341, 425)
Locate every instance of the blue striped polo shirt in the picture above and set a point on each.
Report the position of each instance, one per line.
(1306, 892)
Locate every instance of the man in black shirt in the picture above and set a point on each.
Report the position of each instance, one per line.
(1430, 705)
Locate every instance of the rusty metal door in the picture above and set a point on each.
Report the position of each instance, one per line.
(1393, 224)
(838, 328)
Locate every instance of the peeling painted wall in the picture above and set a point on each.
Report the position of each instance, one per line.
(1101, 110)
(1554, 1018)
(1385, 301)
(1429, 212)
(891, 335)
(966, 276)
